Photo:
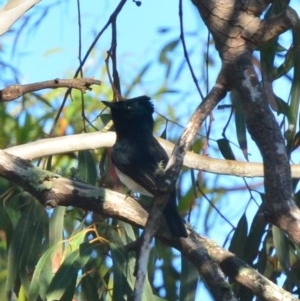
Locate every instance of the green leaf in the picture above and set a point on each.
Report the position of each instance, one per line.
(286, 66)
(137, 80)
(188, 280)
(65, 278)
(281, 245)
(240, 123)
(27, 243)
(256, 232)
(87, 171)
(163, 57)
(123, 268)
(42, 275)
(239, 238)
(283, 107)
(225, 149)
(56, 225)
(295, 92)
(89, 288)
(22, 294)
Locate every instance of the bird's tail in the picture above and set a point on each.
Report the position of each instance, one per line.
(174, 220)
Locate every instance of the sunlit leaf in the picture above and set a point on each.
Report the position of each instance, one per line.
(27, 242)
(42, 275)
(64, 279)
(281, 245)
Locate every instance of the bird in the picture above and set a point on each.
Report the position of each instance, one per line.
(138, 158)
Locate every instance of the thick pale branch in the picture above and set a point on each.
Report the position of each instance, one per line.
(72, 143)
(15, 91)
(12, 11)
(53, 190)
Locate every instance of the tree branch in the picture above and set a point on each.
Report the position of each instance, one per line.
(15, 91)
(274, 26)
(12, 11)
(171, 173)
(237, 32)
(53, 190)
(73, 143)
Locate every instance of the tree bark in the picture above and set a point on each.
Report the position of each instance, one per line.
(237, 31)
(53, 190)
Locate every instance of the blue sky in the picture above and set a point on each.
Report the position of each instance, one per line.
(51, 51)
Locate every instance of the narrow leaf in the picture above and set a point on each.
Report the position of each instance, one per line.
(256, 232)
(66, 276)
(281, 245)
(225, 149)
(87, 171)
(188, 280)
(239, 237)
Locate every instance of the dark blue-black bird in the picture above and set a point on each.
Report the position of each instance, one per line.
(138, 157)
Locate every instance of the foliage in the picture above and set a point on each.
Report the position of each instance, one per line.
(56, 254)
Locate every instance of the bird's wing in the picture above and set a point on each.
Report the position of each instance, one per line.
(144, 165)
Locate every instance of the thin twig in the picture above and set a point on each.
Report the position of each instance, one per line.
(72, 143)
(84, 118)
(186, 55)
(12, 92)
(111, 18)
(113, 52)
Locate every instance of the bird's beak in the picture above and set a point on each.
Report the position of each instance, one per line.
(107, 103)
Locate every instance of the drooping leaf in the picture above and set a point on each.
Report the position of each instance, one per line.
(240, 123)
(137, 79)
(164, 54)
(225, 149)
(89, 288)
(42, 275)
(56, 225)
(286, 66)
(87, 171)
(295, 94)
(27, 243)
(239, 238)
(281, 245)
(256, 232)
(65, 278)
(122, 273)
(188, 280)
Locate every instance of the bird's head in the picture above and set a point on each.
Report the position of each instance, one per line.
(134, 113)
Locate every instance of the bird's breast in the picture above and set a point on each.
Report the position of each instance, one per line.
(131, 184)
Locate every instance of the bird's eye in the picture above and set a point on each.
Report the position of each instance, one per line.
(128, 107)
